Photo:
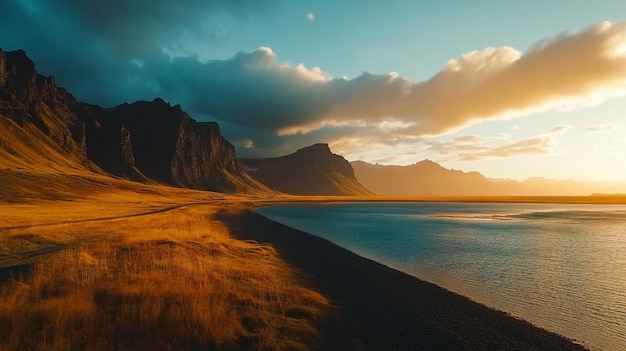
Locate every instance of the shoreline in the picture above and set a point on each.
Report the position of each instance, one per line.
(569, 199)
(378, 308)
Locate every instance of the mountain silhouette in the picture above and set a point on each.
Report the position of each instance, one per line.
(312, 170)
(155, 140)
(428, 178)
(424, 178)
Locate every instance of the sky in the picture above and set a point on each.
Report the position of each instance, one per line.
(512, 89)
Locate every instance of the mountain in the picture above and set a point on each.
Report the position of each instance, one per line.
(428, 178)
(312, 170)
(43, 128)
(40, 123)
(424, 178)
(152, 139)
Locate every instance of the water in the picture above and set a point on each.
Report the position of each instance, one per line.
(561, 267)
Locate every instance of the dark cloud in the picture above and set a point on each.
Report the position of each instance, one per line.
(139, 27)
(250, 89)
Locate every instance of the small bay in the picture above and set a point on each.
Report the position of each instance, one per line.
(561, 267)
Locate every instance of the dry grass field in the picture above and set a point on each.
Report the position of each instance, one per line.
(143, 267)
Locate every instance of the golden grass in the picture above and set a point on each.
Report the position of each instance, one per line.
(169, 280)
(33, 197)
(22, 146)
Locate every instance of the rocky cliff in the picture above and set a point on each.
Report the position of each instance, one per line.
(41, 122)
(313, 170)
(164, 143)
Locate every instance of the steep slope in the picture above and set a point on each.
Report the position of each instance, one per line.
(40, 123)
(426, 178)
(313, 170)
(162, 142)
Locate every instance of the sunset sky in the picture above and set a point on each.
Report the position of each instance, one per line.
(509, 89)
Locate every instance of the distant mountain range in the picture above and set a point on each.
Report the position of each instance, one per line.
(428, 178)
(309, 171)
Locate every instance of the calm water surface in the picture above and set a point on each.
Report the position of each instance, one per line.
(561, 267)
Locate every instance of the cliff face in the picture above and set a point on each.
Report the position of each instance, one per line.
(203, 156)
(313, 170)
(44, 128)
(163, 143)
(109, 146)
(41, 122)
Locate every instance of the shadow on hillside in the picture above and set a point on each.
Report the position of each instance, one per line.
(15, 272)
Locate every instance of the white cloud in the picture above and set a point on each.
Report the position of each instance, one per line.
(472, 147)
(310, 16)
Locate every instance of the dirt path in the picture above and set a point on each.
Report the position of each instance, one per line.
(19, 263)
(102, 219)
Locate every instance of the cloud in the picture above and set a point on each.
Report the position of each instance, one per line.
(118, 51)
(143, 26)
(473, 148)
(598, 128)
(310, 16)
(566, 72)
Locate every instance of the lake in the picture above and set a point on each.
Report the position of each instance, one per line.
(560, 267)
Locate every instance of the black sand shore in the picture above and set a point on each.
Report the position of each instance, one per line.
(378, 308)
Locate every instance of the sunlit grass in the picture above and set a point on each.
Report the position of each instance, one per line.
(171, 280)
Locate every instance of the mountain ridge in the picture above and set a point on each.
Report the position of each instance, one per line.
(428, 178)
(165, 144)
(42, 122)
(312, 170)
